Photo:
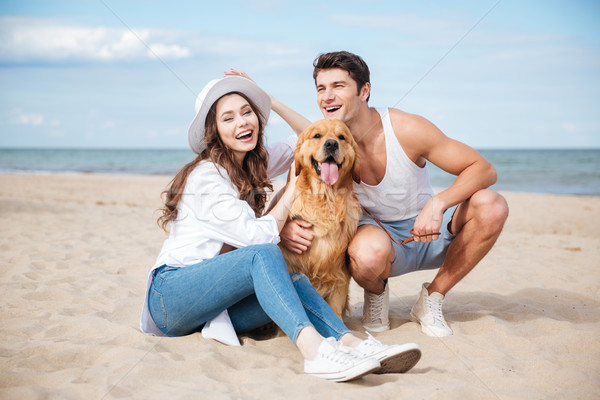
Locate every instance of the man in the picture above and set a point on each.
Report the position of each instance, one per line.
(453, 230)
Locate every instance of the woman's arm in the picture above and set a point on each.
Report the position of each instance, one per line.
(281, 210)
(210, 208)
(296, 121)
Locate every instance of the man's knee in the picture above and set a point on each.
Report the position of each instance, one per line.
(370, 255)
(491, 208)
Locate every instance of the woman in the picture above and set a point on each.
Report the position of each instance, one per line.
(220, 268)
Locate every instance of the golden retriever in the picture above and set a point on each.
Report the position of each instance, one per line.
(326, 161)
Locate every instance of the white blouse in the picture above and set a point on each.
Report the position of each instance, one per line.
(210, 214)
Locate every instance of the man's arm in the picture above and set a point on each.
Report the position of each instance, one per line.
(422, 141)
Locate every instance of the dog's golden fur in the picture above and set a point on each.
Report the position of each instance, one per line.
(332, 209)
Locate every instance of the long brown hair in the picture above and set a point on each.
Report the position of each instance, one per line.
(250, 179)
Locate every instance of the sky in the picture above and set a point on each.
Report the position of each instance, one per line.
(125, 73)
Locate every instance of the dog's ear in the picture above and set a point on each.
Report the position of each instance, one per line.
(298, 163)
(356, 164)
(297, 153)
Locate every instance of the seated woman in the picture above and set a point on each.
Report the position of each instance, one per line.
(220, 266)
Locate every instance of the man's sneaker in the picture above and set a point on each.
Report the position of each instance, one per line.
(428, 312)
(375, 310)
(337, 364)
(393, 358)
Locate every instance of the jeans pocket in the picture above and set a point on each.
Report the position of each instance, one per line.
(156, 306)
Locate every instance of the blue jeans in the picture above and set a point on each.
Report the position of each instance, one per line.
(252, 283)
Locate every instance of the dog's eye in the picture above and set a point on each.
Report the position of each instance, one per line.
(342, 137)
(317, 136)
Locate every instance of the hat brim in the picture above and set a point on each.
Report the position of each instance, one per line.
(213, 91)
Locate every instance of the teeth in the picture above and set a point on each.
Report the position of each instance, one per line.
(332, 108)
(243, 134)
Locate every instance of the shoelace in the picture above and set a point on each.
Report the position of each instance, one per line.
(371, 341)
(435, 307)
(375, 304)
(370, 346)
(342, 355)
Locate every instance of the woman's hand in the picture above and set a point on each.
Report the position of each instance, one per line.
(296, 121)
(294, 234)
(235, 72)
(292, 177)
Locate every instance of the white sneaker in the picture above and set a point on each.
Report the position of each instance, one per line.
(428, 312)
(375, 311)
(337, 364)
(393, 358)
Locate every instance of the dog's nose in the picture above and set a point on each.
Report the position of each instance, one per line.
(331, 145)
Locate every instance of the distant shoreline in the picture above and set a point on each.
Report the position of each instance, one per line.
(277, 182)
(560, 171)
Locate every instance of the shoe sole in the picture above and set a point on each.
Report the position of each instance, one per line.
(400, 362)
(355, 372)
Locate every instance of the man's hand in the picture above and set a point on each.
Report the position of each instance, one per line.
(429, 221)
(295, 237)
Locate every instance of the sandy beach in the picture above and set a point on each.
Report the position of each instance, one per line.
(75, 253)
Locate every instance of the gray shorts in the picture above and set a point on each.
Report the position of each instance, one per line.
(415, 256)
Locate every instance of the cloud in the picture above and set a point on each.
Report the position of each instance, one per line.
(42, 40)
(39, 40)
(569, 127)
(30, 119)
(173, 51)
(19, 117)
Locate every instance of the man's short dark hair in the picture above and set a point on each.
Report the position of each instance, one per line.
(355, 66)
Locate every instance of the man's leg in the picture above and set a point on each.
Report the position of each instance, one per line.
(371, 255)
(477, 223)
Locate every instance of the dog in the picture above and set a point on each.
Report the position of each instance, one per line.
(327, 161)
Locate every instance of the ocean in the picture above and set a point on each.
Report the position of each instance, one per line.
(566, 171)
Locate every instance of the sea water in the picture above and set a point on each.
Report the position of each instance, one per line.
(561, 171)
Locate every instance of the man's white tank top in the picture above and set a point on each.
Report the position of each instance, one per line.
(405, 187)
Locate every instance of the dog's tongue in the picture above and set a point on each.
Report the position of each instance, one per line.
(329, 172)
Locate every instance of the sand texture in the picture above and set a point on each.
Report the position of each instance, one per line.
(74, 255)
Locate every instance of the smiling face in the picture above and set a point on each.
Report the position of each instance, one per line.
(338, 96)
(327, 151)
(237, 124)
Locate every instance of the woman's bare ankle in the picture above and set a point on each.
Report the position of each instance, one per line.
(349, 340)
(308, 342)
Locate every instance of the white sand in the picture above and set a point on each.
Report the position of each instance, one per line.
(75, 251)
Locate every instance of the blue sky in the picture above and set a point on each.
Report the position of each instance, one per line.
(124, 74)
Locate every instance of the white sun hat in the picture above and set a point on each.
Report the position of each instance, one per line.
(212, 92)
